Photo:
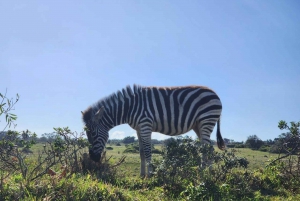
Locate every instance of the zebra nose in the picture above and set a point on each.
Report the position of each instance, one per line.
(93, 156)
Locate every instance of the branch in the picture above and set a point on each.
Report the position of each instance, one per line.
(277, 159)
(120, 162)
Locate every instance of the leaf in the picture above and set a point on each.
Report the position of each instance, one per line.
(13, 117)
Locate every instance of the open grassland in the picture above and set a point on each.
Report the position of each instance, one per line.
(131, 166)
(127, 185)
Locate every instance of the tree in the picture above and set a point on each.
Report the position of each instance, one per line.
(288, 142)
(128, 139)
(254, 142)
(228, 141)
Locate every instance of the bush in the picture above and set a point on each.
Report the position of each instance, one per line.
(180, 170)
(135, 148)
(287, 165)
(132, 148)
(103, 169)
(264, 148)
(239, 146)
(230, 145)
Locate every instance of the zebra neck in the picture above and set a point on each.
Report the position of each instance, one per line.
(121, 107)
(118, 114)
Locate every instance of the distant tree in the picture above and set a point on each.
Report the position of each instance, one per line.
(155, 141)
(128, 139)
(269, 142)
(115, 141)
(226, 140)
(254, 142)
(42, 139)
(285, 143)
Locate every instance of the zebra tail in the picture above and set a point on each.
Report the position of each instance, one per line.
(220, 140)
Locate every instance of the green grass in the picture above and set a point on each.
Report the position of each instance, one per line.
(129, 187)
(131, 166)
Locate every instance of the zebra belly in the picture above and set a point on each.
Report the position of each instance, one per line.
(173, 131)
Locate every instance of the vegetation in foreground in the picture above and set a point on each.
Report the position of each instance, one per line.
(60, 169)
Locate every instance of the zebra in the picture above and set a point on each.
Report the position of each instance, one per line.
(168, 110)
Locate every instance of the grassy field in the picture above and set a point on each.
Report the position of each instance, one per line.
(129, 186)
(131, 166)
(257, 159)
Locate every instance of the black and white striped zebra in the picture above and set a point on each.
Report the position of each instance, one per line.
(168, 110)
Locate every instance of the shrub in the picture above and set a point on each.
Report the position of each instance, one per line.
(264, 148)
(132, 148)
(287, 164)
(230, 145)
(180, 170)
(135, 148)
(239, 146)
(103, 169)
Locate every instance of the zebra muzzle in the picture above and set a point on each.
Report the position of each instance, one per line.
(93, 156)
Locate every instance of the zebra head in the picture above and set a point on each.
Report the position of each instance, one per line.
(96, 132)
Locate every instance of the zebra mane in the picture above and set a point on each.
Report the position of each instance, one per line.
(126, 92)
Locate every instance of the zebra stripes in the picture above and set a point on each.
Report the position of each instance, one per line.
(167, 110)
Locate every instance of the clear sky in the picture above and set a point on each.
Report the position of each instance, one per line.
(62, 56)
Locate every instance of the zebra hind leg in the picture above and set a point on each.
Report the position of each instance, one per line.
(208, 151)
(205, 141)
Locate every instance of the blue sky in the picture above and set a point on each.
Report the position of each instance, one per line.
(62, 56)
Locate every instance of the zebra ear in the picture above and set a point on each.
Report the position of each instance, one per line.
(99, 114)
(81, 112)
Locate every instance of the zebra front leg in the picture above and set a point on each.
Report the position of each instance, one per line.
(142, 155)
(146, 142)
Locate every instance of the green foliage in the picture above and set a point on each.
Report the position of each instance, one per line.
(180, 170)
(230, 145)
(11, 158)
(288, 164)
(264, 148)
(6, 105)
(239, 146)
(132, 148)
